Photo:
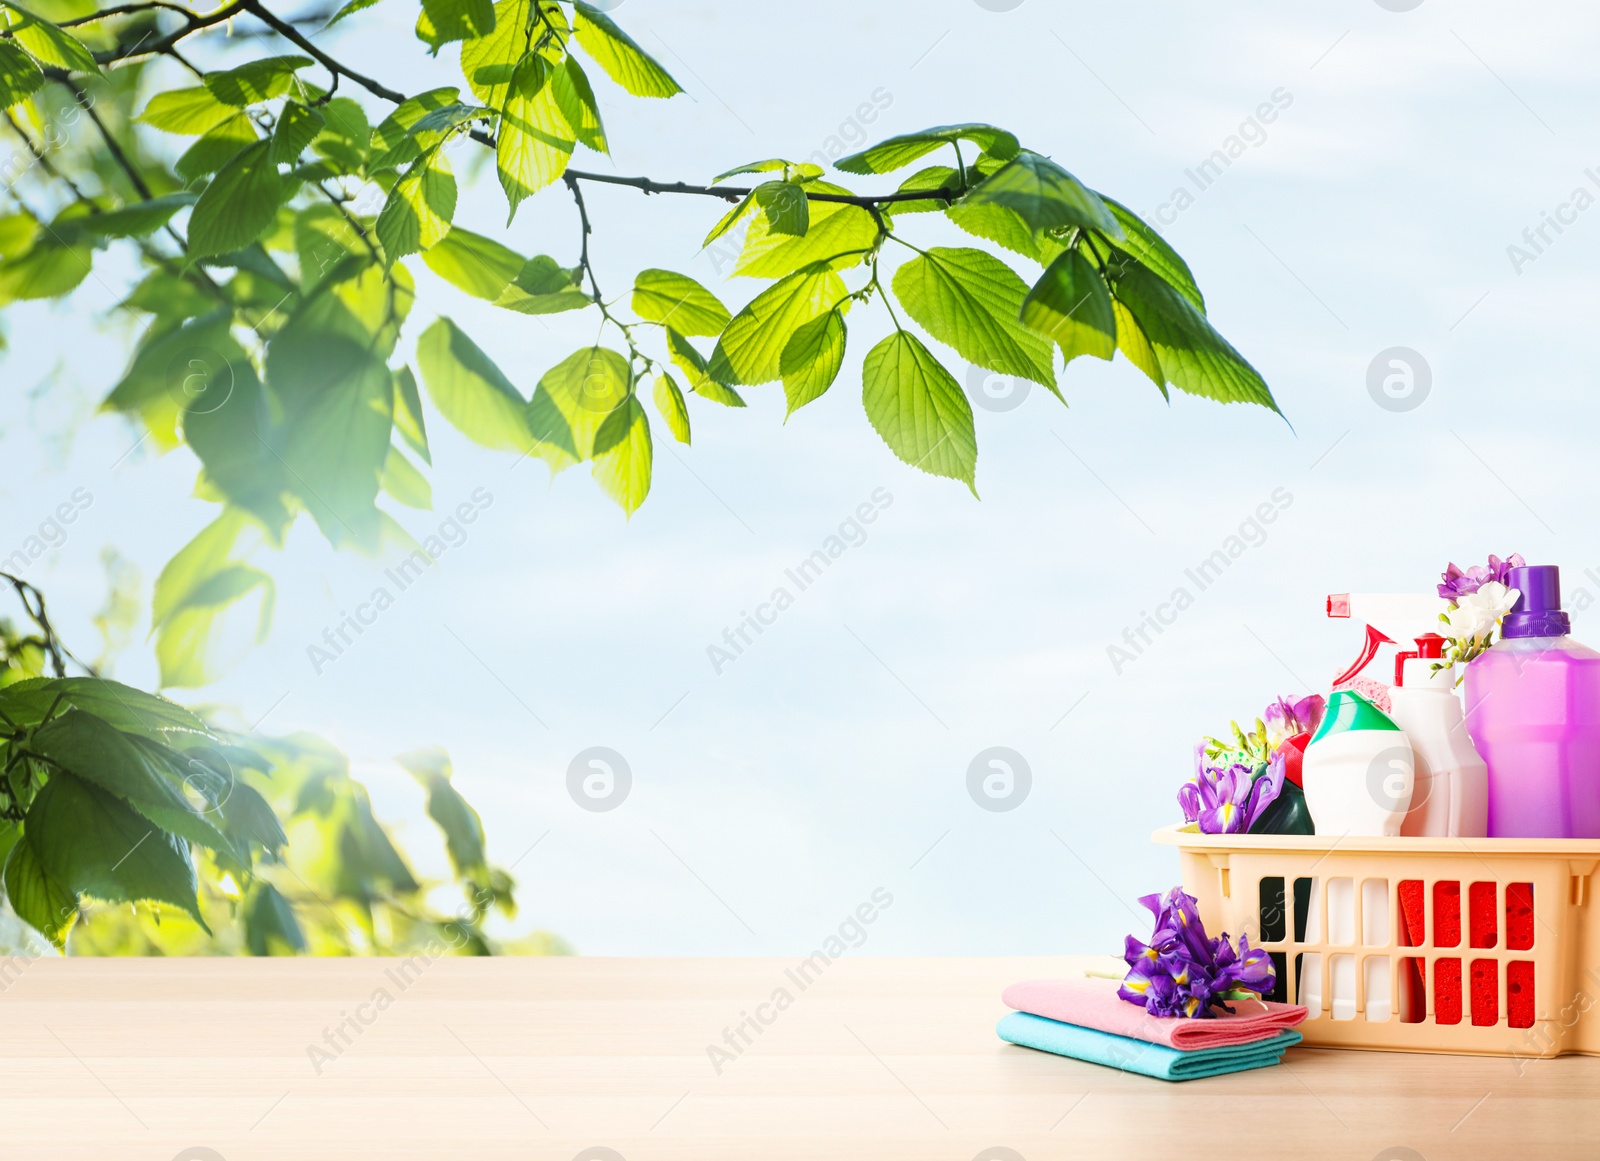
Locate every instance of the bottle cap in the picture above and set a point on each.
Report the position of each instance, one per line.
(1347, 711)
(1537, 612)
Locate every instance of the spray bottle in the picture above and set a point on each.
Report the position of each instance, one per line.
(1450, 796)
(1390, 618)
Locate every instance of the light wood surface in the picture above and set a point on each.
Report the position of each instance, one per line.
(532, 1059)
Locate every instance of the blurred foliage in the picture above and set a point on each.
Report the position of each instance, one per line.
(133, 826)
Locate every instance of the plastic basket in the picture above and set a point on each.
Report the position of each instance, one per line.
(1482, 946)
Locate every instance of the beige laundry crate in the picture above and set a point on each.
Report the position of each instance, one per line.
(1328, 909)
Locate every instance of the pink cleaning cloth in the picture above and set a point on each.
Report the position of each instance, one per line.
(1093, 1003)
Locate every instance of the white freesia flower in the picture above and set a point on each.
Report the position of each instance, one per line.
(1478, 614)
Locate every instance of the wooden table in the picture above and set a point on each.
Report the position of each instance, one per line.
(532, 1059)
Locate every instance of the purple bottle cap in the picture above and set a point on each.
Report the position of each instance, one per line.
(1537, 612)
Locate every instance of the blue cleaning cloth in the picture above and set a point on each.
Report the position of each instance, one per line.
(1131, 1055)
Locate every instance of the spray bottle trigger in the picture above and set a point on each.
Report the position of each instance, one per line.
(1400, 660)
(1369, 650)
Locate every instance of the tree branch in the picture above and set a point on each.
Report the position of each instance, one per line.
(193, 23)
(127, 10)
(734, 193)
(294, 36)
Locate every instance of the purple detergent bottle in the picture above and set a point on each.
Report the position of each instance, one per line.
(1533, 710)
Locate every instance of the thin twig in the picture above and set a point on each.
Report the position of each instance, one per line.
(33, 602)
(126, 10)
(292, 34)
(158, 47)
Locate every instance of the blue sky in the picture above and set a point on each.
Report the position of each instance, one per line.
(1409, 150)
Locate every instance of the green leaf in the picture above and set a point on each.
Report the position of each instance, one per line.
(573, 399)
(771, 165)
(130, 710)
(160, 381)
(216, 147)
(576, 100)
(345, 137)
(188, 112)
(270, 925)
(417, 214)
(534, 142)
(257, 80)
(1133, 343)
(751, 346)
(336, 430)
(90, 843)
(189, 648)
(297, 128)
(1047, 196)
(469, 390)
(471, 262)
(327, 246)
(439, 124)
(811, 360)
(248, 820)
(226, 424)
(146, 775)
(408, 414)
(45, 903)
(458, 19)
(1071, 304)
(370, 868)
(488, 62)
(349, 9)
(671, 405)
(622, 454)
(785, 206)
(193, 593)
(393, 143)
(239, 205)
(972, 301)
(615, 52)
(1151, 249)
(899, 152)
(729, 219)
(17, 234)
(919, 408)
(49, 44)
(693, 364)
(20, 77)
(49, 270)
(463, 829)
(1005, 227)
(405, 483)
(1194, 357)
(934, 177)
(678, 301)
(838, 233)
(137, 218)
(543, 286)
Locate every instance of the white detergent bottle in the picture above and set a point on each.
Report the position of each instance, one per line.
(1451, 794)
(1358, 770)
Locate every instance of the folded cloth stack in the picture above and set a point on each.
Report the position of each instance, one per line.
(1087, 1020)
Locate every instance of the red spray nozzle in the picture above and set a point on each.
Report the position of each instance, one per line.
(1338, 604)
(1369, 650)
(1429, 645)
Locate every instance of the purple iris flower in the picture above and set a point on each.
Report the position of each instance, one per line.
(1182, 972)
(1458, 583)
(1286, 719)
(1227, 799)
